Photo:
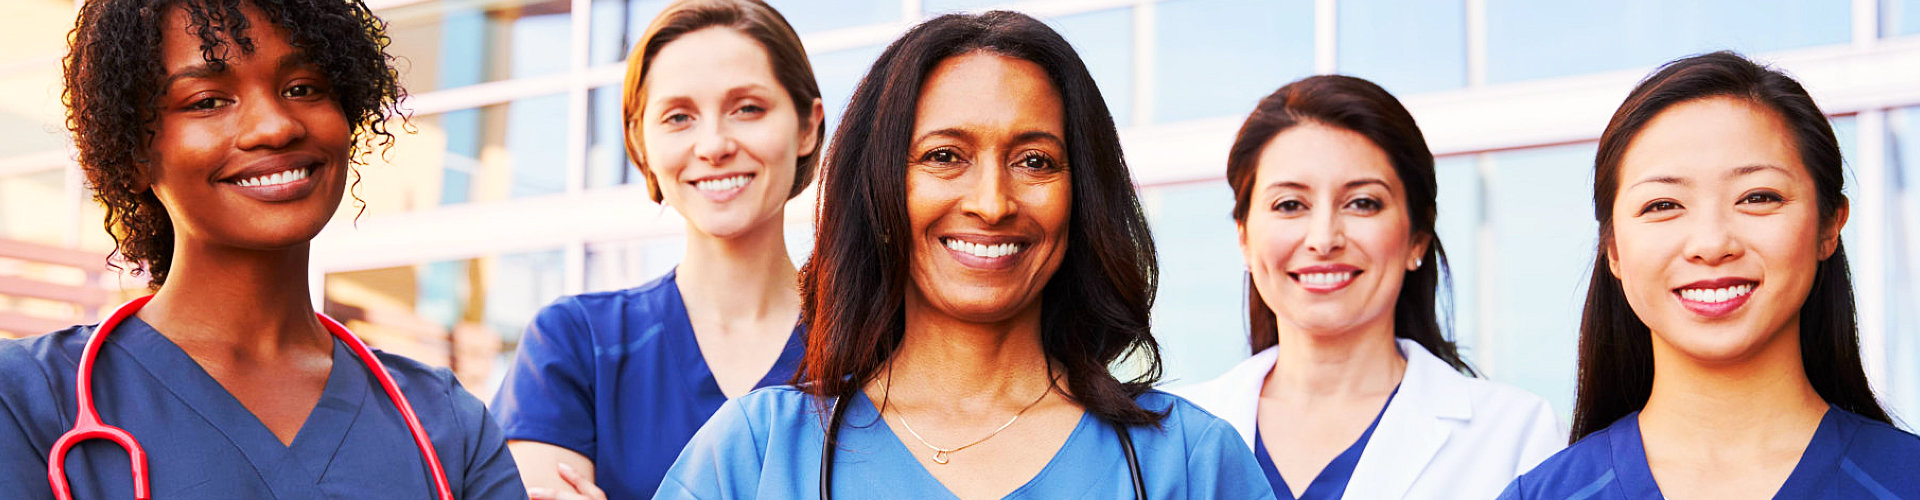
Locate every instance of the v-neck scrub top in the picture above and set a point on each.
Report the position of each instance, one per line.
(618, 378)
(767, 445)
(1331, 482)
(202, 443)
(1849, 457)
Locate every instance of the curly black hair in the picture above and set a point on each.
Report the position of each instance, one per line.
(113, 81)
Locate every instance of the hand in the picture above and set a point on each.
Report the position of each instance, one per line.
(582, 488)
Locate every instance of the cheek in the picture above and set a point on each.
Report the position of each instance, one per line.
(1052, 206)
(1644, 252)
(1270, 242)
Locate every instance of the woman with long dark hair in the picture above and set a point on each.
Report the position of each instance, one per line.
(1718, 352)
(981, 260)
(723, 117)
(219, 135)
(1354, 389)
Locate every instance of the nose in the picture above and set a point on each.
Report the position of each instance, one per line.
(716, 145)
(269, 124)
(991, 197)
(1709, 242)
(1325, 233)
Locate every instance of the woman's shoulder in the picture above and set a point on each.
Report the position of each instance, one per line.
(1583, 465)
(1883, 453)
(606, 310)
(42, 357)
(1184, 419)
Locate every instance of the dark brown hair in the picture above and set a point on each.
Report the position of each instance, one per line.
(752, 18)
(854, 287)
(1359, 106)
(113, 79)
(1616, 348)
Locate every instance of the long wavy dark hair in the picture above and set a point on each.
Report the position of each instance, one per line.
(1359, 106)
(113, 80)
(1616, 348)
(854, 286)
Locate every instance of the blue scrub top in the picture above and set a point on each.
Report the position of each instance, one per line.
(1332, 481)
(618, 377)
(202, 443)
(766, 445)
(1849, 457)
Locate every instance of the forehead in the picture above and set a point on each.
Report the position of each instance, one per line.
(1705, 138)
(989, 91)
(180, 39)
(712, 59)
(1319, 155)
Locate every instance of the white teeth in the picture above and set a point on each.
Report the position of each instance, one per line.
(984, 251)
(1325, 278)
(723, 184)
(1715, 295)
(274, 179)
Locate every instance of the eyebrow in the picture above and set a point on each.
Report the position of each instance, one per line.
(206, 69)
(1677, 181)
(1350, 185)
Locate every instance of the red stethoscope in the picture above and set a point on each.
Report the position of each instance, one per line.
(87, 423)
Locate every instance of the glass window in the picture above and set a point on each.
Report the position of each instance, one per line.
(626, 264)
(838, 73)
(1457, 224)
(466, 314)
(1200, 310)
(1528, 39)
(1219, 57)
(1899, 17)
(32, 117)
(510, 150)
(452, 43)
(607, 162)
(808, 16)
(1104, 40)
(1540, 219)
(1901, 391)
(31, 205)
(937, 7)
(1406, 47)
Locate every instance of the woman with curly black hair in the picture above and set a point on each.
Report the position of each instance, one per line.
(219, 135)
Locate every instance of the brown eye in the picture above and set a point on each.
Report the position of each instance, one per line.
(1035, 161)
(1762, 197)
(1289, 206)
(941, 155)
(1659, 206)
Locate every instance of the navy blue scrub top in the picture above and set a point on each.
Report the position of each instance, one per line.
(202, 443)
(618, 377)
(1332, 481)
(1849, 457)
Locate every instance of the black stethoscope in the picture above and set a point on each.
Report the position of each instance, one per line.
(832, 443)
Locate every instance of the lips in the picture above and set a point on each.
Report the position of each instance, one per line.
(723, 187)
(276, 179)
(985, 252)
(1325, 278)
(1716, 297)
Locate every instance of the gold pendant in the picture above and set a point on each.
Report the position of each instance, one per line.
(940, 457)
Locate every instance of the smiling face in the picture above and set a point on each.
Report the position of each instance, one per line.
(251, 154)
(988, 188)
(1716, 229)
(1328, 238)
(721, 135)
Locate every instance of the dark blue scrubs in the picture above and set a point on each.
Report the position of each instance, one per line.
(1331, 483)
(202, 443)
(618, 377)
(1849, 457)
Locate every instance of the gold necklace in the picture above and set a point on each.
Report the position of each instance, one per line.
(941, 455)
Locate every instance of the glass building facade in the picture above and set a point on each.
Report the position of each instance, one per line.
(516, 189)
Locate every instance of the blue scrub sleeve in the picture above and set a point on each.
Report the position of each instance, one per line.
(491, 472)
(23, 465)
(1513, 491)
(723, 461)
(1220, 465)
(548, 393)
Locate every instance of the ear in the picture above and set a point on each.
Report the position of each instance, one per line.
(1608, 251)
(810, 136)
(638, 155)
(142, 180)
(1830, 233)
(1419, 251)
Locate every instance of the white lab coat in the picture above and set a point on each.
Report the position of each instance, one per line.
(1445, 435)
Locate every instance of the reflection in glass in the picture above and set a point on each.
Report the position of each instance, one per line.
(452, 43)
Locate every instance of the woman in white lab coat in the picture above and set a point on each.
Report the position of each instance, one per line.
(1354, 391)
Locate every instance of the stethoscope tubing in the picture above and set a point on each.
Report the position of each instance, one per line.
(87, 424)
(832, 442)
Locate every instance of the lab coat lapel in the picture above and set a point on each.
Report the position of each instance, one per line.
(1242, 391)
(1414, 427)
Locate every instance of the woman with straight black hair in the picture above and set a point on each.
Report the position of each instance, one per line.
(1354, 389)
(1719, 357)
(981, 260)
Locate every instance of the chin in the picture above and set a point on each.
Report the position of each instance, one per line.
(1715, 344)
(980, 308)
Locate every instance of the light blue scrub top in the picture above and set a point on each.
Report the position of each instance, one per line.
(1849, 457)
(618, 378)
(202, 443)
(766, 445)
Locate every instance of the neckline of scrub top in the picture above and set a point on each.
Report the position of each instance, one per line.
(1822, 455)
(1332, 480)
(314, 445)
(863, 407)
(701, 380)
